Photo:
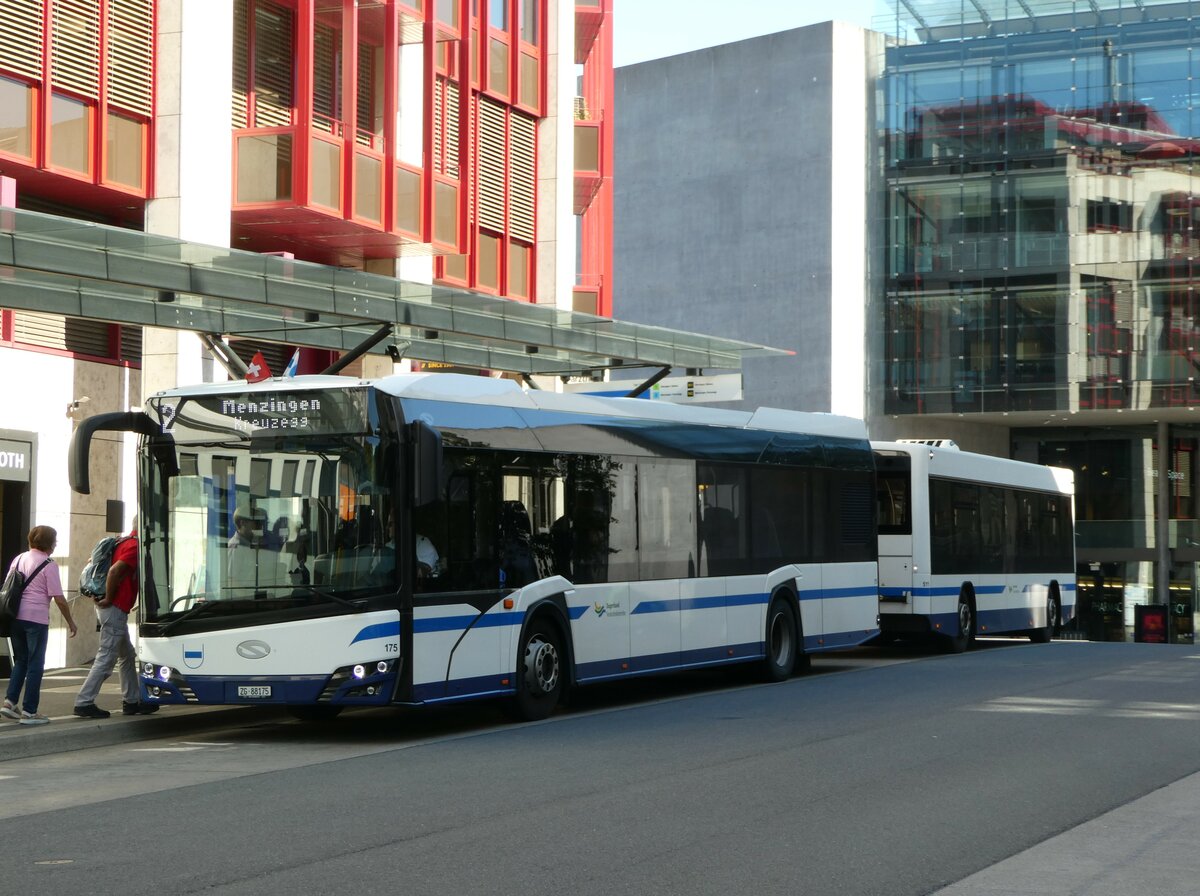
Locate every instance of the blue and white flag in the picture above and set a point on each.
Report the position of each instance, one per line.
(290, 370)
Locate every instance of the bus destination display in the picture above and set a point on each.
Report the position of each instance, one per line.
(265, 413)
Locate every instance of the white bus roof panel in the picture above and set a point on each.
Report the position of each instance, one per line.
(954, 463)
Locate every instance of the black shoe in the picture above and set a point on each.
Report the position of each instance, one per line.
(91, 711)
(136, 709)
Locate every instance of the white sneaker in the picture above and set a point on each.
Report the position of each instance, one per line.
(9, 711)
(34, 718)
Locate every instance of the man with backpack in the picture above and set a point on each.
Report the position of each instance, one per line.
(113, 609)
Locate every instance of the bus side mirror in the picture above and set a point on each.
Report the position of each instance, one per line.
(79, 452)
(426, 445)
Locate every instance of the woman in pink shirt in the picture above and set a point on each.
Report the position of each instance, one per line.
(31, 628)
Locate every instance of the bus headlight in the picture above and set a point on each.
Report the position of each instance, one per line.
(162, 673)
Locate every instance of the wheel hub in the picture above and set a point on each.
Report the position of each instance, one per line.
(541, 666)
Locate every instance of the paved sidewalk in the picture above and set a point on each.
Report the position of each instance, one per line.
(67, 732)
(1147, 846)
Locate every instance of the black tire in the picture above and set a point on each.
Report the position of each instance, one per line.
(1053, 618)
(961, 640)
(541, 671)
(317, 713)
(782, 641)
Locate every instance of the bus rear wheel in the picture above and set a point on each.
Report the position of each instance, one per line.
(1053, 616)
(783, 643)
(961, 640)
(539, 672)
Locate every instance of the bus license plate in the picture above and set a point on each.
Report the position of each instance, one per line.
(257, 691)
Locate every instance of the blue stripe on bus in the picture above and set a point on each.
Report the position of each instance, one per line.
(461, 623)
(630, 667)
(378, 630)
(855, 591)
(743, 600)
(955, 590)
(450, 624)
(987, 622)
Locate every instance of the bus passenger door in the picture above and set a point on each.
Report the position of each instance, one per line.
(666, 533)
(654, 628)
(895, 575)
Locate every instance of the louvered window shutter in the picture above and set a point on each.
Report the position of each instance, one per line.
(130, 55)
(439, 118)
(21, 29)
(241, 63)
(522, 177)
(326, 107)
(366, 94)
(131, 343)
(273, 59)
(452, 129)
(75, 47)
(491, 165)
(72, 334)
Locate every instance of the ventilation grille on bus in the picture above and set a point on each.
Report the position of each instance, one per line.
(932, 443)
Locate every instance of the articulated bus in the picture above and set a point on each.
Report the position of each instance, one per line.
(322, 542)
(971, 544)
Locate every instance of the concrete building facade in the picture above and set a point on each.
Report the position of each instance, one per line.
(732, 212)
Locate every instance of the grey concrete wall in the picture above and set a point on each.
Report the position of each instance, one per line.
(724, 189)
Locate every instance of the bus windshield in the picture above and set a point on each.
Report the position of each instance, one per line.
(268, 521)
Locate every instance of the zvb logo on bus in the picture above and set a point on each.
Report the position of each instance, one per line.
(612, 608)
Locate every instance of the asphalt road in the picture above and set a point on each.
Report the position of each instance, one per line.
(867, 778)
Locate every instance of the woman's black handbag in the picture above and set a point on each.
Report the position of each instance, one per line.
(10, 596)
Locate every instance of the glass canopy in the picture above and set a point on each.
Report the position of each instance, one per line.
(75, 268)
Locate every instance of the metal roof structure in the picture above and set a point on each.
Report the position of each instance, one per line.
(937, 20)
(80, 269)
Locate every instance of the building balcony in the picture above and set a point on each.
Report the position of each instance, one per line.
(324, 198)
(589, 16)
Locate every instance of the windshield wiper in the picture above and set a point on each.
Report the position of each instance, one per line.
(188, 614)
(357, 605)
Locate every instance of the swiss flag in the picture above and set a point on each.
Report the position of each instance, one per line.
(258, 369)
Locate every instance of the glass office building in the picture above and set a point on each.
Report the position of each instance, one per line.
(1041, 269)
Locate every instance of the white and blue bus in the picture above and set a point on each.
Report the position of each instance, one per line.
(971, 544)
(321, 542)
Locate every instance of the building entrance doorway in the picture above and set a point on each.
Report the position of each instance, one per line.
(16, 462)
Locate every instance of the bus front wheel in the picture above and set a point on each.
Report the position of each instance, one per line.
(539, 672)
(782, 641)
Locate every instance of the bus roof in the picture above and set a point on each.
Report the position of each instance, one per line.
(475, 389)
(954, 463)
(467, 389)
